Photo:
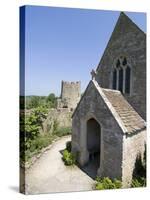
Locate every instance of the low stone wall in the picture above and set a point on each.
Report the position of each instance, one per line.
(61, 116)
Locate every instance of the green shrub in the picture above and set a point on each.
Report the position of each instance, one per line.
(30, 138)
(140, 182)
(139, 173)
(139, 168)
(32, 102)
(68, 146)
(68, 158)
(36, 145)
(40, 142)
(117, 183)
(49, 101)
(55, 127)
(62, 131)
(107, 183)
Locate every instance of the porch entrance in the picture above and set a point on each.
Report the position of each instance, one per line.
(93, 146)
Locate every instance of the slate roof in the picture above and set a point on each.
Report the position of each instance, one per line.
(121, 109)
(130, 118)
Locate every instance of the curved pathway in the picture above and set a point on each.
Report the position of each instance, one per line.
(49, 174)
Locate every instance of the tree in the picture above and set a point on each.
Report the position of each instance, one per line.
(33, 102)
(51, 100)
(30, 129)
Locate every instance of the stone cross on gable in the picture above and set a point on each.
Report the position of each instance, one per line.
(93, 74)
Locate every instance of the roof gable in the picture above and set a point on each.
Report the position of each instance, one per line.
(127, 118)
(124, 25)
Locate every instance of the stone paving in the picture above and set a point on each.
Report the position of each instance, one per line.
(49, 174)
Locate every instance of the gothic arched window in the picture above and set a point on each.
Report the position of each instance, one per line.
(121, 75)
(121, 80)
(115, 79)
(127, 80)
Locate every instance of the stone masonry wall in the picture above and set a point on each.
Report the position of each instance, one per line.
(133, 146)
(93, 106)
(61, 116)
(70, 94)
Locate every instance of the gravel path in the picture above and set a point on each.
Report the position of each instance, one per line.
(49, 174)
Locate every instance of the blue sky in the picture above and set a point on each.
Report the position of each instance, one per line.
(66, 44)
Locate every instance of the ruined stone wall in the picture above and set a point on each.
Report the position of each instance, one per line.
(61, 116)
(133, 146)
(129, 41)
(70, 95)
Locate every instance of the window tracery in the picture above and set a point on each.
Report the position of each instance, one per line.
(122, 75)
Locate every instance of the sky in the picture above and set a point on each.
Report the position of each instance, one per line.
(66, 44)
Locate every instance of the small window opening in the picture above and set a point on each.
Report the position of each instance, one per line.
(121, 80)
(127, 80)
(118, 63)
(115, 79)
(124, 62)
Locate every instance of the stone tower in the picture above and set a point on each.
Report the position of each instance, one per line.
(70, 95)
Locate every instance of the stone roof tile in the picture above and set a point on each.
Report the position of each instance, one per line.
(130, 118)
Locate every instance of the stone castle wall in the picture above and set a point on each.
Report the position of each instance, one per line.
(70, 95)
(61, 116)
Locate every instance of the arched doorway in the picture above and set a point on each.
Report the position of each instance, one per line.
(93, 145)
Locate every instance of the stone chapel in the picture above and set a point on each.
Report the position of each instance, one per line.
(109, 121)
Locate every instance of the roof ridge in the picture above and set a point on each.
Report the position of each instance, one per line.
(111, 90)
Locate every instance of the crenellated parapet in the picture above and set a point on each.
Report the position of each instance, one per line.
(70, 95)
